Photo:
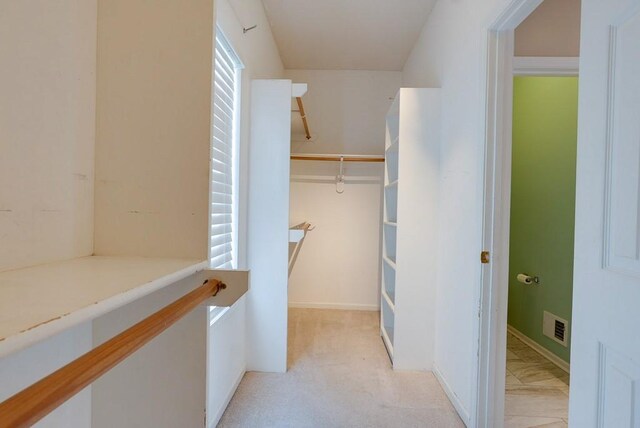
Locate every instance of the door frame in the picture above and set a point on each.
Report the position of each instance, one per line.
(492, 335)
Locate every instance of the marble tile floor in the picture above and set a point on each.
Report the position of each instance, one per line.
(537, 391)
(339, 376)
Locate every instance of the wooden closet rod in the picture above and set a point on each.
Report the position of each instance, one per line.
(336, 158)
(303, 115)
(35, 402)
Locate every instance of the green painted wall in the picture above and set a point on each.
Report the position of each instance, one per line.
(545, 117)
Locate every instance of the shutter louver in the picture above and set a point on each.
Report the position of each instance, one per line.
(223, 227)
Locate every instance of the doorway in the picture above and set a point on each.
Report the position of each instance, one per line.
(542, 223)
(502, 64)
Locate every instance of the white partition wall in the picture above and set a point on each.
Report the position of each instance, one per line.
(268, 235)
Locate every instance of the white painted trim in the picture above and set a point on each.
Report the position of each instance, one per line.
(457, 404)
(340, 306)
(545, 66)
(488, 400)
(539, 349)
(214, 422)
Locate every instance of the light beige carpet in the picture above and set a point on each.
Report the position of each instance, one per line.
(339, 376)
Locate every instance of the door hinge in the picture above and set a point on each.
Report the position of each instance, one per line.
(484, 257)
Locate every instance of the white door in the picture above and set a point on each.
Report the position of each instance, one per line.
(605, 352)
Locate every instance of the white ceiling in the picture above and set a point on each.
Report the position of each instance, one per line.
(346, 34)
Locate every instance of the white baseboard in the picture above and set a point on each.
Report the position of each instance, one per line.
(462, 412)
(214, 422)
(539, 349)
(340, 306)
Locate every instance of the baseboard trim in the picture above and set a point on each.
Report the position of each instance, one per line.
(232, 391)
(462, 412)
(340, 306)
(540, 349)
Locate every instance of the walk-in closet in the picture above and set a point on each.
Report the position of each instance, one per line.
(322, 214)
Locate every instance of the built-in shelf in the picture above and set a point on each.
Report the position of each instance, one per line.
(412, 138)
(391, 204)
(391, 162)
(393, 147)
(389, 262)
(387, 321)
(40, 301)
(389, 282)
(389, 300)
(390, 242)
(388, 341)
(298, 232)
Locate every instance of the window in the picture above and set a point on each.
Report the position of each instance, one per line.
(223, 251)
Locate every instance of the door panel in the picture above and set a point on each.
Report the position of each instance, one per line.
(620, 379)
(605, 353)
(623, 140)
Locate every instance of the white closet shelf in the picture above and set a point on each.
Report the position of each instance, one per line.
(393, 147)
(298, 232)
(390, 262)
(390, 185)
(387, 336)
(392, 306)
(41, 301)
(391, 223)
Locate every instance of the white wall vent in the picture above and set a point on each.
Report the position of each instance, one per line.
(555, 328)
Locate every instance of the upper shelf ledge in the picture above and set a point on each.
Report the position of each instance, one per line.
(299, 231)
(41, 301)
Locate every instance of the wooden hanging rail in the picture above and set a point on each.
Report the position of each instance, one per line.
(303, 115)
(337, 158)
(35, 402)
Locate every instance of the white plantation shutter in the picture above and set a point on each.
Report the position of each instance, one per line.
(223, 246)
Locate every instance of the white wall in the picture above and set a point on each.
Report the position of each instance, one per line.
(47, 130)
(226, 361)
(153, 128)
(339, 263)
(47, 140)
(345, 110)
(450, 54)
(20, 370)
(259, 54)
(153, 136)
(163, 384)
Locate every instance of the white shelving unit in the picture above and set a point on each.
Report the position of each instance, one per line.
(409, 231)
